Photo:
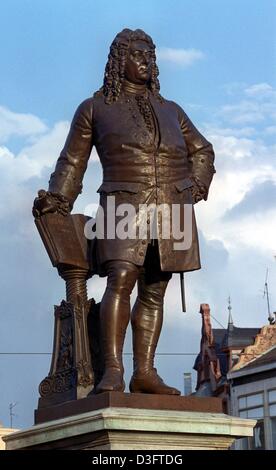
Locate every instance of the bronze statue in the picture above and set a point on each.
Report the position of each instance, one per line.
(150, 153)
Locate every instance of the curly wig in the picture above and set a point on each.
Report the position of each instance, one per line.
(115, 67)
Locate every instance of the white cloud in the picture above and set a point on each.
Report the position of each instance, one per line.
(94, 157)
(183, 57)
(244, 160)
(17, 169)
(260, 90)
(242, 165)
(36, 158)
(234, 88)
(231, 131)
(234, 152)
(19, 124)
(257, 104)
(245, 112)
(32, 159)
(43, 152)
(270, 130)
(195, 106)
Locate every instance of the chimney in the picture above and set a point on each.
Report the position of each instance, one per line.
(187, 383)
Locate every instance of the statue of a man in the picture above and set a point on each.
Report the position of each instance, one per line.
(151, 153)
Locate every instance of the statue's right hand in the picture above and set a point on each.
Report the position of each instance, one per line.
(50, 202)
(198, 190)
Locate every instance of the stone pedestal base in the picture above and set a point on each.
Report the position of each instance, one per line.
(122, 428)
(5, 432)
(141, 401)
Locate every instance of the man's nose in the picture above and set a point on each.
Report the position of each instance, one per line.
(143, 59)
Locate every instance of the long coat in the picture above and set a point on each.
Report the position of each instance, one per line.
(138, 168)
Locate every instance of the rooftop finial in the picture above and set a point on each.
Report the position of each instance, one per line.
(230, 318)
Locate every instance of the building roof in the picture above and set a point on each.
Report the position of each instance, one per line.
(230, 338)
(239, 338)
(227, 353)
(219, 334)
(266, 358)
(234, 337)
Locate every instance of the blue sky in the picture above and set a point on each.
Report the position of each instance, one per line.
(217, 60)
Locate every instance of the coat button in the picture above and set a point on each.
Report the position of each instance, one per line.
(141, 253)
(144, 242)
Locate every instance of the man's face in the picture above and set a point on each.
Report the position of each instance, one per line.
(139, 63)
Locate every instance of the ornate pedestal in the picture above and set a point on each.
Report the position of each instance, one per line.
(76, 361)
(71, 375)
